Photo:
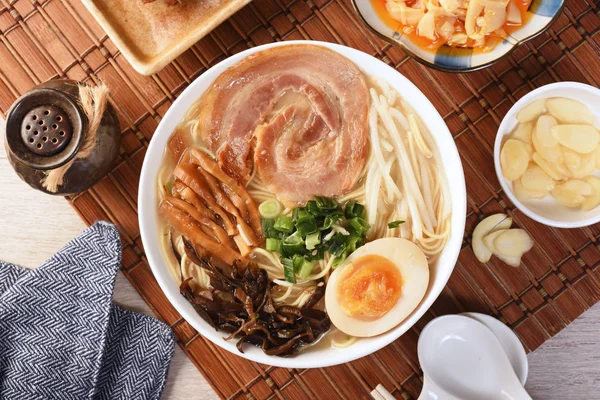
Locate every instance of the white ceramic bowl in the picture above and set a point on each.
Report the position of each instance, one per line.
(547, 211)
(148, 215)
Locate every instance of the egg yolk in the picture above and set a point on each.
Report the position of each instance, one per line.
(369, 287)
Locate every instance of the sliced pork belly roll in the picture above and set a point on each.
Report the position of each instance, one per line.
(298, 112)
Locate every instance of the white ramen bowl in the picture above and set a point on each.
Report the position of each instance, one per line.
(440, 272)
(547, 210)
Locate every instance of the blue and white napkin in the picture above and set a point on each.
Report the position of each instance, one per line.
(61, 337)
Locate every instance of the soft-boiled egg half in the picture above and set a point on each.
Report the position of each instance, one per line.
(377, 287)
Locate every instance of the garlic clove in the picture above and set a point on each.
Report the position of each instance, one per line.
(492, 223)
(512, 243)
(512, 261)
(491, 238)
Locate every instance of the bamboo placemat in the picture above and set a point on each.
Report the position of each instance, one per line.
(559, 279)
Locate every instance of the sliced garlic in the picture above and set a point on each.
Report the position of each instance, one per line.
(543, 130)
(512, 243)
(580, 138)
(514, 159)
(532, 110)
(569, 111)
(552, 154)
(592, 201)
(491, 238)
(524, 194)
(512, 261)
(490, 224)
(494, 236)
(543, 164)
(571, 193)
(523, 132)
(572, 159)
(587, 165)
(579, 186)
(536, 180)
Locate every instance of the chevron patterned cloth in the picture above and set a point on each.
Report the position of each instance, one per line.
(62, 338)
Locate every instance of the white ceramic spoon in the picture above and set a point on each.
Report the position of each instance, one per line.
(510, 343)
(465, 360)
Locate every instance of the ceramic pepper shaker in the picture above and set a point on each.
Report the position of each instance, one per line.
(46, 132)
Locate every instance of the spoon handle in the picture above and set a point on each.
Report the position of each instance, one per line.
(515, 391)
(431, 391)
(425, 391)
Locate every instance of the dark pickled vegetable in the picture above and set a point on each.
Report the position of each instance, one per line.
(239, 303)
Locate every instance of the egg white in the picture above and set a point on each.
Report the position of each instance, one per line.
(413, 267)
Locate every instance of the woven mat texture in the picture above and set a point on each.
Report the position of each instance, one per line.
(559, 278)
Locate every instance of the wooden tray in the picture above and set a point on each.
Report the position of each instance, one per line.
(151, 35)
(559, 279)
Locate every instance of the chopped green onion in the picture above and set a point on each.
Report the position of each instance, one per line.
(320, 226)
(340, 259)
(268, 227)
(293, 244)
(269, 208)
(395, 224)
(306, 225)
(321, 253)
(313, 240)
(273, 245)
(283, 223)
(169, 187)
(326, 205)
(318, 253)
(311, 207)
(331, 219)
(299, 213)
(354, 242)
(305, 269)
(359, 225)
(354, 209)
(288, 270)
(338, 245)
(348, 209)
(298, 261)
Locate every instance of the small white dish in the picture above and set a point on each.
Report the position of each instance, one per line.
(465, 359)
(547, 211)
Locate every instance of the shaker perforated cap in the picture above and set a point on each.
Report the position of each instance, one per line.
(44, 128)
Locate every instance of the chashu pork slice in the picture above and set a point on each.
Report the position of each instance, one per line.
(299, 113)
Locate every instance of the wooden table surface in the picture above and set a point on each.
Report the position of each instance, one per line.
(36, 225)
